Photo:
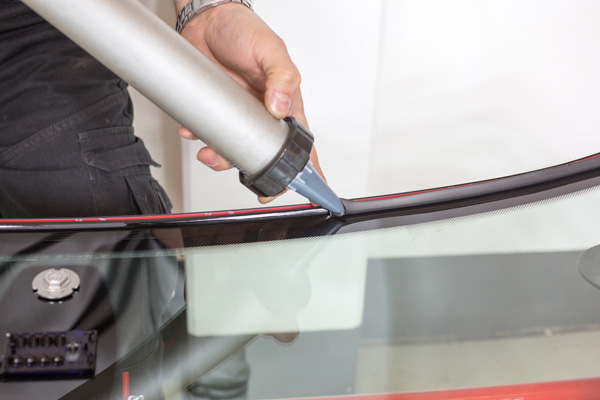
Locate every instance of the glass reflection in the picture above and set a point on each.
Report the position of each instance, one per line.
(480, 300)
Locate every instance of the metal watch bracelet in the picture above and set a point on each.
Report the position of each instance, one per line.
(195, 7)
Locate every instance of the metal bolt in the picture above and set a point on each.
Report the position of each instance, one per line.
(56, 279)
(55, 284)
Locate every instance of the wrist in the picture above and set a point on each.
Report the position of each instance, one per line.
(197, 7)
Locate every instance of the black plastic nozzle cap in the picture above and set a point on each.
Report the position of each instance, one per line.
(292, 157)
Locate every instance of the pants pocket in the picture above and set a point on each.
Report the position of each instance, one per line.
(119, 169)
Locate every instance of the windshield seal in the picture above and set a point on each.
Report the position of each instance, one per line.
(572, 176)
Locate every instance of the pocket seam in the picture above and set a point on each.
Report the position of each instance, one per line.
(109, 160)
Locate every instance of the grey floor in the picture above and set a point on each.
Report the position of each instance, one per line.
(422, 367)
(490, 320)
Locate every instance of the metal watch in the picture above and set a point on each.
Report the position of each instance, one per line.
(195, 7)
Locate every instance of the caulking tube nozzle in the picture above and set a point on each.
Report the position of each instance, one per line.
(291, 168)
(310, 185)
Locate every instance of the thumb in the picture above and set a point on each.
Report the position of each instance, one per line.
(278, 102)
(283, 97)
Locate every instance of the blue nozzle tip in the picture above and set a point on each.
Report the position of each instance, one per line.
(310, 185)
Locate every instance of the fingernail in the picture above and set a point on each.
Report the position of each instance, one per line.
(280, 104)
(210, 161)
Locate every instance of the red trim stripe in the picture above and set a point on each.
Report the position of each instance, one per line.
(238, 212)
(155, 217)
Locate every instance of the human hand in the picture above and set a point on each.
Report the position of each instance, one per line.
(239, 42)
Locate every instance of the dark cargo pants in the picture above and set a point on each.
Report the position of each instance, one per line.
(88, 164)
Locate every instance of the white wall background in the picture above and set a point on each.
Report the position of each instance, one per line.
(472, 89)
(408, 94)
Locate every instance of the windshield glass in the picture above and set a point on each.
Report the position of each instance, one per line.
(272, 311)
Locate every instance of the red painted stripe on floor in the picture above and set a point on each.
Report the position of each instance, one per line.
(125, 385)
(582, 389)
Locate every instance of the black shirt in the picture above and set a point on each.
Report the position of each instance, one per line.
(44, 76)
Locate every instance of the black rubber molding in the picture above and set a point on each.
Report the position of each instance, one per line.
(568, 177)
